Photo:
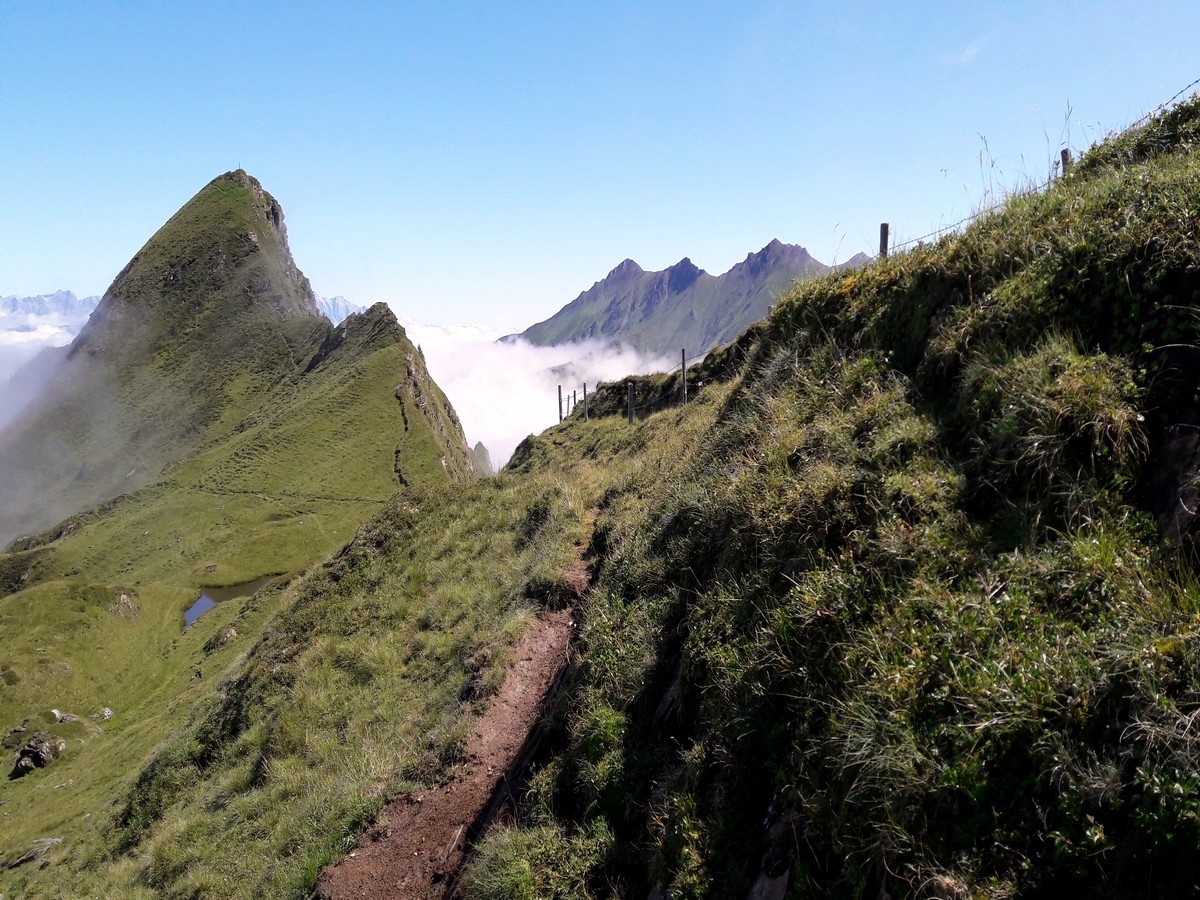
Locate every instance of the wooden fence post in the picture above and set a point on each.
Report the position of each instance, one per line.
(585, 416)
(883, 239)
(1066, 159)
(560, 404)
(683, 372)
(629, 403)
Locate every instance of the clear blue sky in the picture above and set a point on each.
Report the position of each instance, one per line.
(485, 162)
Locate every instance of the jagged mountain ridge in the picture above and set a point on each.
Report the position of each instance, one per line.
(682, 306)
(335, 309)
(60, 304)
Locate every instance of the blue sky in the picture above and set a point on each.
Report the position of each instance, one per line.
(485, 162)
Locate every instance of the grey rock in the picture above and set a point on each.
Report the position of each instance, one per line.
(37, 753)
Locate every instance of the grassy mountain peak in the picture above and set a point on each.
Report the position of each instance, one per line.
(211, 312)
(234, 436)
(224, 255)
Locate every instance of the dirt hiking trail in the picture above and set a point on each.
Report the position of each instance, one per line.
(421, 843)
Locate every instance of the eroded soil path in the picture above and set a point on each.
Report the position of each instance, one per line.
(419, 849)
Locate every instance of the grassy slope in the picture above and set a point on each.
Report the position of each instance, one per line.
(296, 451)
(904, 593)
(289, 489)
(358, 689)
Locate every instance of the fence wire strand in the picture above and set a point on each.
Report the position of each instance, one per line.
(966, 220)
(572, 401)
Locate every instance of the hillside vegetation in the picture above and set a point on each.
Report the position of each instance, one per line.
(907, 605)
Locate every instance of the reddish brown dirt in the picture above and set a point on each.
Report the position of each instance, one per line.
(421, 843)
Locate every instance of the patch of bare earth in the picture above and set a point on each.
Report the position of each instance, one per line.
(419, 849)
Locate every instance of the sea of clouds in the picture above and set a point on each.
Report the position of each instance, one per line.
(501, 391)
(504, 392)
(22, 336)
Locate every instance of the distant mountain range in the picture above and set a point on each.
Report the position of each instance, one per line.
(62, 305)
(335, 309)
(30, 324)
(683, 306)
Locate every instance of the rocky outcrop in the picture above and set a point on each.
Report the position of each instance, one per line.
(36, 753)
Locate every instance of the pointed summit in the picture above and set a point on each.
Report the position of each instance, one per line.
(209, 324)
(682, 275)
(626, 269)
(858, 259)
(224, 255)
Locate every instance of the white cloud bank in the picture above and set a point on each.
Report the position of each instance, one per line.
(22, 336)
(504, 392)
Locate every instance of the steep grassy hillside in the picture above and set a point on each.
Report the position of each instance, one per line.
(206, 321)
(907, 613)
(902, 604)
(362, 685)
(275, 470)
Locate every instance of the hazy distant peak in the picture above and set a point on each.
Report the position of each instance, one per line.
(335, 309)
(625, 269)
(681, 275)
(858, 259)
(774, 255)
(63, 304)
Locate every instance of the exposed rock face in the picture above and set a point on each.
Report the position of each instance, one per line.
(37, 753)
(33, 854)
(483, 459)
(14, 736)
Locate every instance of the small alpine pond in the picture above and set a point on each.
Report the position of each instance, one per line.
(211, 596)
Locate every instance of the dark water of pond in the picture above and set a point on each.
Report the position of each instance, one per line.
(211, 596)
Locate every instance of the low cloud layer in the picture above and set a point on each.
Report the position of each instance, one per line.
(21, 337)
(504, 392)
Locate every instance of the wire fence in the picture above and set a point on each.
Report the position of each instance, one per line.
(638, 406)
(1058, 169)
(571, 398)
